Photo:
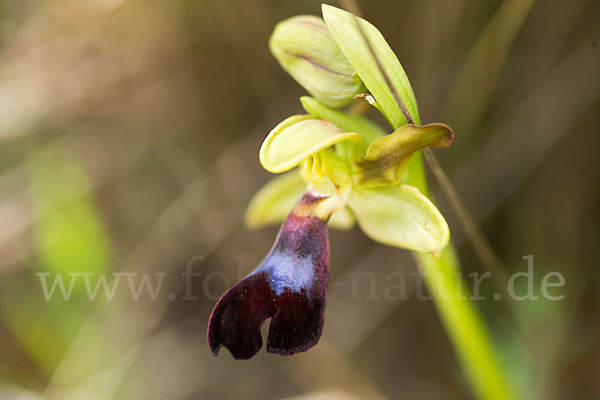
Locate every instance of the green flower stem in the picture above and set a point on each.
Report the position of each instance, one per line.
(462, 321)
(381, 72)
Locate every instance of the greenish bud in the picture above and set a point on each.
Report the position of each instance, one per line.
(306, 50)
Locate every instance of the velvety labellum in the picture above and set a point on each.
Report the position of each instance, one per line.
(289, 286)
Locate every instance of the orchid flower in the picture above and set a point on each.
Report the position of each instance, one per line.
(344, 168)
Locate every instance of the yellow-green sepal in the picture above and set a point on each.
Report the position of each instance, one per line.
(388, 156)
(274, 201)
(399, 216)
(348, 36)
(297, 138)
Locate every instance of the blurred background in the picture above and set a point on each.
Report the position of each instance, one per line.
(129, 137)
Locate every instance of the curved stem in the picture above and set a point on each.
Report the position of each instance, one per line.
(464, 325)
(381, 72)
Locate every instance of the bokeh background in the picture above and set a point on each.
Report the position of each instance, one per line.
(129, 134)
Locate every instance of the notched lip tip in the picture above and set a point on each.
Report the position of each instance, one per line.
(215, 350)
(243, 356)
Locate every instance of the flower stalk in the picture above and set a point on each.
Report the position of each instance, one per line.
(374, 61)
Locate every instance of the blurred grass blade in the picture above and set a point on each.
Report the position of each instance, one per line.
(477, 77)
(70, 238)
(69, 232)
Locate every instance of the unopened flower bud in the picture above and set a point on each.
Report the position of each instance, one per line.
(306, 50)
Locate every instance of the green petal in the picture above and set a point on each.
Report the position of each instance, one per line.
(400, 216)
(348, 122)
(344, 29)
(274, 201)
(297, 138)
(388, 156)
